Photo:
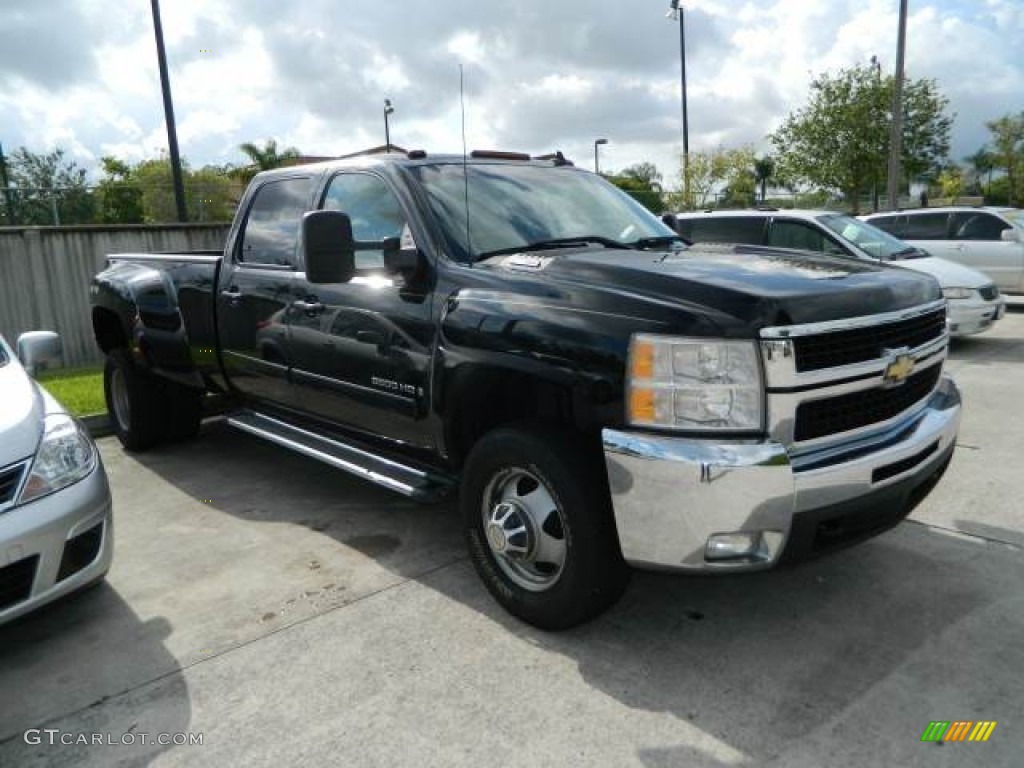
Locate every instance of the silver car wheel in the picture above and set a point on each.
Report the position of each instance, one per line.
(524, 529)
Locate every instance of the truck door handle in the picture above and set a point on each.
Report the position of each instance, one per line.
(309, 307)
(232, 294)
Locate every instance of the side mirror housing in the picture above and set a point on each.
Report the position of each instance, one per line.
(1011, 235)
(37, 348)
(670, 220)
(398, 260)
(328, 247)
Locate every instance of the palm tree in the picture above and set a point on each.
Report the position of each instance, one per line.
(982, 162)
(266, 157)
(764, 170)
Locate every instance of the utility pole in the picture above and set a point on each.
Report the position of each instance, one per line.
(896, 127)
(677, 12)
(7, 187)
(172, 133)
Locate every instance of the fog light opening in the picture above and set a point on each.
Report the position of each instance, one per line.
(733, 546)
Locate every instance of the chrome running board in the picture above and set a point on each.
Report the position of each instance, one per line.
(414, 482)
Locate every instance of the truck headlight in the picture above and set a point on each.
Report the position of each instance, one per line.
(65, 456)
(958, 293)
(694, 384)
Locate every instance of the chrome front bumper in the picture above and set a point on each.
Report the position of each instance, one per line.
(671, 494)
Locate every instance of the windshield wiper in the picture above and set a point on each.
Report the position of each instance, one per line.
(580, 241)
(654, 242)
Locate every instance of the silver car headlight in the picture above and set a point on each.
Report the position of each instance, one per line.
(66, 454)
(958, 293)
(694, 384)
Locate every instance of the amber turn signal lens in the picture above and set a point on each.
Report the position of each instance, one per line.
(642, 360)
(641, 406)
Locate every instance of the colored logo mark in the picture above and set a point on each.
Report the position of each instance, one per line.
(959, 730)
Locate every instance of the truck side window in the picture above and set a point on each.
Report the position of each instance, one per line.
(926, 226)
(725, 229)
(271, 231)
(977, 226)
(375, 212)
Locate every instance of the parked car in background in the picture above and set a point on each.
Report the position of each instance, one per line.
(975, 303)
(55, 510)
(990, 240)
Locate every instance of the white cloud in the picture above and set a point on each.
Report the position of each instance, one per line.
(539, 75)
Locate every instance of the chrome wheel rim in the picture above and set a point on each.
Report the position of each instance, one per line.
(524, 529)
(119, 399)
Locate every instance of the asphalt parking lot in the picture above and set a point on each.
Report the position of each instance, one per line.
(292, 615)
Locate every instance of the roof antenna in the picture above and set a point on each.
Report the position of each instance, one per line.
(465, 168)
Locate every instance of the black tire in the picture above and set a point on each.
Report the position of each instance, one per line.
(135, 401)
(592, 575)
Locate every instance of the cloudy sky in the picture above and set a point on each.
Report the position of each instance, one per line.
(540, 74)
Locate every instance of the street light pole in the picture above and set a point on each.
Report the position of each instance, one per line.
(172, 133)
(896, 127)
(388, 109)
(598, 143)
(676, 12)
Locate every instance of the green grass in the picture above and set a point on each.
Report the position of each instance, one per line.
(80, 390)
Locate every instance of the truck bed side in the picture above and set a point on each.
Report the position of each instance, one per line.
(161, 307)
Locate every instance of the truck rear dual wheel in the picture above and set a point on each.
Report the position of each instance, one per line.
(537, 519)
(146, 410)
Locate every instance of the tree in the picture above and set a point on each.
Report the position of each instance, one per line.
(717, 170)
(981, 163)
(951, 182)
(642, 182)
(120, 198)
(208, 195)
(50, 189)
(265, 158)
(1008, 153)
(839, 140)
(764, 171)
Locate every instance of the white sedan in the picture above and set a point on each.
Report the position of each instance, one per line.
(55, 511)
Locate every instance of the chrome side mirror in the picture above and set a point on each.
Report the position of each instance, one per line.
(37, 348)
(1011, 235)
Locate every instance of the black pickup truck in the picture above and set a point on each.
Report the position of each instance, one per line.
(521, 333)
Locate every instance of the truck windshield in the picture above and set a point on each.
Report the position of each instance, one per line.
(521, 206)
(870, 239)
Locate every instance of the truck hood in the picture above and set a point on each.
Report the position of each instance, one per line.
(22, 408)
(948, 273)
(757, 286)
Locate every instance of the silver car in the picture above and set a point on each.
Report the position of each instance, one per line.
(55, 511)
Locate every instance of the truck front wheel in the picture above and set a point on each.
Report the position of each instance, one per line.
(134, 401)
(537, 520)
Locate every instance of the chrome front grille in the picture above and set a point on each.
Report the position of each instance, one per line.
(835, 381)
(842, 413)
(857, 345)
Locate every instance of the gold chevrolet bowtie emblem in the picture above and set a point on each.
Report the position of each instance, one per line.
(898, 369)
